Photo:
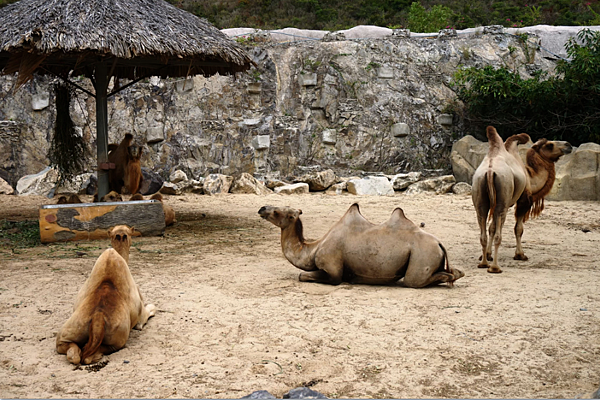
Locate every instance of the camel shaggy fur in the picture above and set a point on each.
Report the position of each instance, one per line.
(502, 180)
(127, 171)
(107, 307)
(357, 251)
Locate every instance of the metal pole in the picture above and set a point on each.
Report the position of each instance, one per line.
(101, 84)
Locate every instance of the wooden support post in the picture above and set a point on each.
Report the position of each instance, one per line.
(87, 221)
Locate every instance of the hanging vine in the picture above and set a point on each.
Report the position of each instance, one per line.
(68, 150)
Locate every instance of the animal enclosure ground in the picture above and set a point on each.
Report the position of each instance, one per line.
(232, 317)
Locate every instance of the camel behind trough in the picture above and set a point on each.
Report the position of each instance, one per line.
(107, 307)
(503, 180)
(358, 251)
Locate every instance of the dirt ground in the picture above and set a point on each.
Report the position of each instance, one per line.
(233, 317)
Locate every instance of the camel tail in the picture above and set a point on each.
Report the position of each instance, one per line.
(96, 335)
(447, 264)
(491, 191)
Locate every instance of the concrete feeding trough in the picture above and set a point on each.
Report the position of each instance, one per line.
(89, 221)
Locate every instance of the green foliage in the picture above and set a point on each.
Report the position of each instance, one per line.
(421, 20)
(19, 234)
(565, 107)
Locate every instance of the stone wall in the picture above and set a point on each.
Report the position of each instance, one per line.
(351, 104)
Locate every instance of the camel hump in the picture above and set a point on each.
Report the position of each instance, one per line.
(494, 140)
(398, 218)
(515, 140)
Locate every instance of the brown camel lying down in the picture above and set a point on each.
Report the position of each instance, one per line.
(107, 306)
(501, 180)
(357, 251)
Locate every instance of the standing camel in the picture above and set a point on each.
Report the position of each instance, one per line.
(357, 251)
(502, 180)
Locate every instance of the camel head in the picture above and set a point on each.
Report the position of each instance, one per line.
(120, 239)
(551, 150)
(111, 196)
(280, 216)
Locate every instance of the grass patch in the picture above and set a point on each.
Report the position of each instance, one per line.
(19, 234)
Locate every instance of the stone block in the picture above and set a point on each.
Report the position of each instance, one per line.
(402, 181)
(371, 186)
(401, 33)
(400, 129)
(40, 184)
(251, 122)
(155, 134)
(261, 142)
(330, 136)
(385, 73)
(445, 119)
(178, 176)
(254, 87)
(40, 101)
(308, 79)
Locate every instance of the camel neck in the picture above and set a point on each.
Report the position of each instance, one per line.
(295, 248)
(123, 250)
(542, 175)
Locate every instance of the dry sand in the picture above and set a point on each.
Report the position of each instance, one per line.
(233, 317)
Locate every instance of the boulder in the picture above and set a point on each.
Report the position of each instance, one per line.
(337, 188)
(577, 176)
(274, 183)
(177, 176)
(402, 181)
(461, 188)
(217, 183)
(467, 153)
(371, 186)
(151, 183)
(296, 188)
(318, 181)
(78, 185)
(191, 186)
(303, 393)
(5, 188)
(246, 183)
(170, 188)
(439, 185)
(40, 184)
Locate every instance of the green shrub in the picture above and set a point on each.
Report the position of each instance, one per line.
(421, 20)
(565, 107)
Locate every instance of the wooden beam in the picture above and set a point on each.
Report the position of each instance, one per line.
(88, 221)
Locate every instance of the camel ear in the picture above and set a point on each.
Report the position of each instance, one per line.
(109, 232)
(299, 212)
(132, 229)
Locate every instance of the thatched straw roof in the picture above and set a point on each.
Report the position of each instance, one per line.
(137, 38)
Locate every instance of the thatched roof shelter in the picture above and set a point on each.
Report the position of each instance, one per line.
(138, 38)
(100, 39)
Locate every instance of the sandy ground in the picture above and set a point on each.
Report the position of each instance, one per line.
(233, 317)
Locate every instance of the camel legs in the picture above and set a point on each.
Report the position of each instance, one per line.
(72, 351)
(496, 236)
(523, 206)
(483, 239)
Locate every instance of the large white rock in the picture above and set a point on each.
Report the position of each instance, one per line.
(177, 176)
(371, 186)
(439, 185)
(296, 188)
(246, 183)
(217, 183)
(5, 188)
(40, 184)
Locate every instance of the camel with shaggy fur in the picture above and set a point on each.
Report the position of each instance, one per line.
(107, 307)
(358, 251)
(503, 180)
(128, 170)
